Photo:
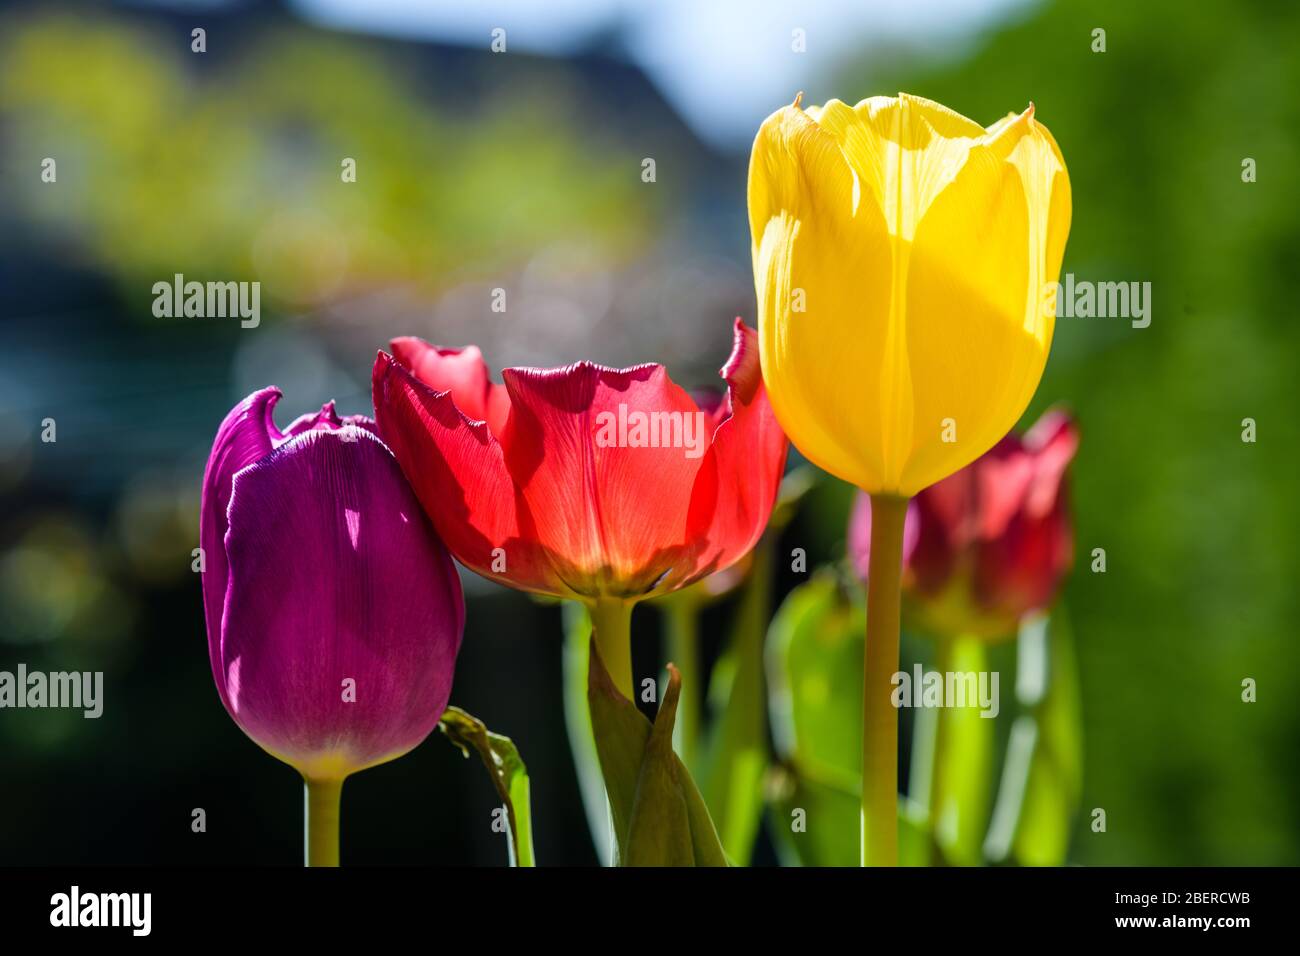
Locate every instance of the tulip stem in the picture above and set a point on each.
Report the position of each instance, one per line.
(612, 620)
(683, 632)
(321, 821)
(879, 665)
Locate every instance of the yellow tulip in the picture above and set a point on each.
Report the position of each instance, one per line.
(902, 257)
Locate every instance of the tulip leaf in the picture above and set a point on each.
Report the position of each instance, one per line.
(659, 816)
(913, 833)
(814, 666)
(814, 670)
(814, 823)
(736, 757)
(509, 776)
(659, 832)
(1042, 772)
(1056, 774)
(960, 791)
(577, 718)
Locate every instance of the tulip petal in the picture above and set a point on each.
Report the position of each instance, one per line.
(247, 434)
(1023, 553)
(601, 458)
(327, 419)
(458, 471)
(738, 484)
(822, 262)
(987, 248)
(898, 239)
(460, 371)
(335, 576)
(905, 149)
(600, 482)
(1053, 441)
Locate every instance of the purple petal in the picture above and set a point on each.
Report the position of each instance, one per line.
(327, 419)
(335, 574)
(248, 434)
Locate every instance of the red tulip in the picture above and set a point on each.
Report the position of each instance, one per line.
(991, 542)
(584, 481)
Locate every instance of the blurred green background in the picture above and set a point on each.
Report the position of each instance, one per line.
(523, 171)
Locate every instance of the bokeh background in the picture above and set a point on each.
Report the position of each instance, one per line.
(522, 170)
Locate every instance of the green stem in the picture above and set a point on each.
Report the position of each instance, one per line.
(681, 621)
(321, 821)
(577, 717)
(612, 620)
(880, 664)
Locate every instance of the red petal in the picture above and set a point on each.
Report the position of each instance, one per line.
(736, 489)
(609, 508)
(1001, 479)
(1021, 567)
(463, 372)
(458, 472)
(1052, 441)
(610, 481)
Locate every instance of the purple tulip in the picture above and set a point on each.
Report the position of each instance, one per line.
(334, 612)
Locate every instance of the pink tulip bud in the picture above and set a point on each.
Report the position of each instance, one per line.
(990, 543)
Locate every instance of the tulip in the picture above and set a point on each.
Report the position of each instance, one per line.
(603, 485)
(991, 544)
(334, 614)
(903, 257)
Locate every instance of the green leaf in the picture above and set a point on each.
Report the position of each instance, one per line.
(814, 823)
(659, 816)
(913, 833)
(736, 757)
(827, 830)
(1056, 774)
(1042, 773)
(577, 719)
(961, 790)
(814, 670)
(814, 667)
(509, 776)
(659, 833)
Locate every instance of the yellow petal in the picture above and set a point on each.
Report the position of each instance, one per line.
(922, 243)
(987, 247)
(825, 250)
